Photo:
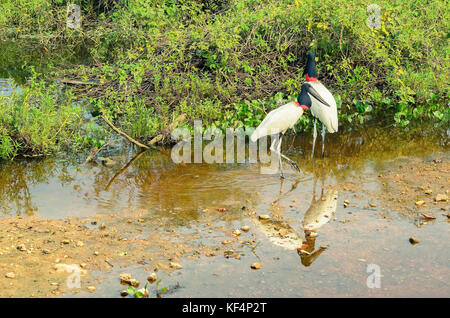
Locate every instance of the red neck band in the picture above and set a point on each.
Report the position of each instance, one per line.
(302, 106)
(310, 79)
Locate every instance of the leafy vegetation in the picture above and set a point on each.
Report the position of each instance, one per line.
(38, 120)
(225, 62)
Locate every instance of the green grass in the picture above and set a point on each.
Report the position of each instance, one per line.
(228, 62)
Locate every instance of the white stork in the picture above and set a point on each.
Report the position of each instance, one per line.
(312, 95)
(323, 105)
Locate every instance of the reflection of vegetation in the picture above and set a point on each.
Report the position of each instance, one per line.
(15, 179)
(177, 193)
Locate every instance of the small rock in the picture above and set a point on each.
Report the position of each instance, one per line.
(152, 277)
(91, 289)
(125, 278)
(228, 253)
(429, 191)
(256, 266)
(427, 216)
(96, 253)
(441, 197)
(373, 205)
(80, 244)
(10, 275)
(83, 265)
(175, 265)
(21, 247)
(245, 228)
(134, 282)
(141, 220)
(237, 232)
(420, 202)
(45, 251)
(413, 240)
(123, 293)
(65, 241)
(264, 217)
(102, 226)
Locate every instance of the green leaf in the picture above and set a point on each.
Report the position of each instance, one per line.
(131, 290)
(139, 294)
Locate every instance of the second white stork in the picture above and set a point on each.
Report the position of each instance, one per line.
(323, 105)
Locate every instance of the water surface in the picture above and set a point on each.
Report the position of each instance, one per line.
(186, 197)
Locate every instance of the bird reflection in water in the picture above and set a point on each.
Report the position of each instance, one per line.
(320, 211)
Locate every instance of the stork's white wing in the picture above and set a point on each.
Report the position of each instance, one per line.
(320, 211)
(278, 121)
(327, 114)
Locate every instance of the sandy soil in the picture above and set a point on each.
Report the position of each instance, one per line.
(34, 252)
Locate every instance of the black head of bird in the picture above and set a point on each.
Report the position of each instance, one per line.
(310, 71)
(303, 98)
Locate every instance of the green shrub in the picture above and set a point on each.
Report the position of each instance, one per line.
(229, 62)
(38, 120)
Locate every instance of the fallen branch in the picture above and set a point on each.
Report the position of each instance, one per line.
(137, 143)
(79, 82)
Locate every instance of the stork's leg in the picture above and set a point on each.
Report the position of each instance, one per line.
(279, 157)
(314, 138)
(275, 148)
(323, 140)
(278, 151)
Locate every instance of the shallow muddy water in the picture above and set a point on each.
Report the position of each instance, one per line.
(381, 172)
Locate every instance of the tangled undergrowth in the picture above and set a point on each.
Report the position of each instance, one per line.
(228, 62)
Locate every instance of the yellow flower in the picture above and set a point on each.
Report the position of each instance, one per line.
(400, 72)
(325, 27)
(18, 29)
